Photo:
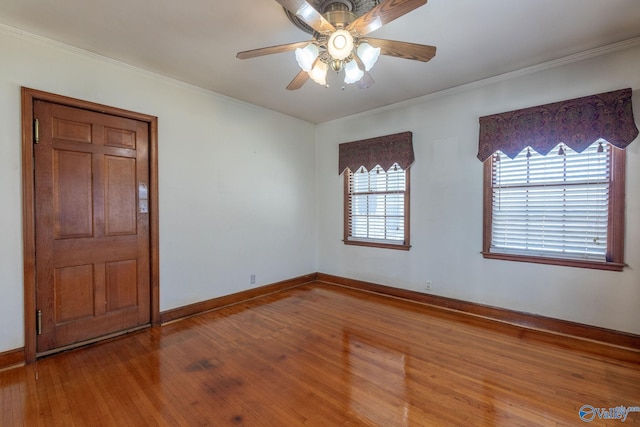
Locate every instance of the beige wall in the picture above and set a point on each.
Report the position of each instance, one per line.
(446, 199)
(236, 192)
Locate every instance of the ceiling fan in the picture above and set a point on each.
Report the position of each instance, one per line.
(339, 39)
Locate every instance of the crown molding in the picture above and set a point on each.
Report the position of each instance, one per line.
(54, 44)
(559, 62)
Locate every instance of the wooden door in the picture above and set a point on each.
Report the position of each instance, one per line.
(91, 224)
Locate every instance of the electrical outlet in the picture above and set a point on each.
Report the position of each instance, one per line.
(252, 279)
(427, 285)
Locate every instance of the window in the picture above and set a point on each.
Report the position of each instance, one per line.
(554, 181)
(376, 190)
(564, 208)
(377, 206)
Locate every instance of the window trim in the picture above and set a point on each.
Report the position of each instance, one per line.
(405, 245)
(615, 226)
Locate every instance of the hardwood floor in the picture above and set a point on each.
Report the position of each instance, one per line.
(322, 355)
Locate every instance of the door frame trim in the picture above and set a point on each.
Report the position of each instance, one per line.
(28, 205)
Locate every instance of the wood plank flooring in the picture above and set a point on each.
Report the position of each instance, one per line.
(322, 355)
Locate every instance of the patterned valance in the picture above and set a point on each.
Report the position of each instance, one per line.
(383, 151)
(578, 123)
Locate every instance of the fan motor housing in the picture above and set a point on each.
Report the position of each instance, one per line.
(340, 18)
(337, 12)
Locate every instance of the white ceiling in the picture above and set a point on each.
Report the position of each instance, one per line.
(196, 41)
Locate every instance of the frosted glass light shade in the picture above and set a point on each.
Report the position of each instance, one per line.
(340, 44)
(352, 73)
(368, 55)
(319, 73)
(306, 56)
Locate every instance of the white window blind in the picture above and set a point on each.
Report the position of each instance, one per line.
(552, 206)
(376, 205)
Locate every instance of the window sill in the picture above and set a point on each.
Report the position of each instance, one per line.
(378, 244)
(610, 266)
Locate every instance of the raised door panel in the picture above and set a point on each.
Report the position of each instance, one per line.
(124, 138)
(122, 285)
(71, 130)
(72, 194)
(120, 195)
(74, 298)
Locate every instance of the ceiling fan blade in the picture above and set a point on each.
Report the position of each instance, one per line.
(270, 50)
(416, 52)
(298, 81)
(382, 14)
(308, 14)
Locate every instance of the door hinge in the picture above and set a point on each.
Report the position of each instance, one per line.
(39, 322)
(36, 131)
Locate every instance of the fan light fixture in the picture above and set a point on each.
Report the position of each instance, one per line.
(368, 55)
(340, 54)
(352, 73)
(306, 56)
(319, 73)
(340, 44)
